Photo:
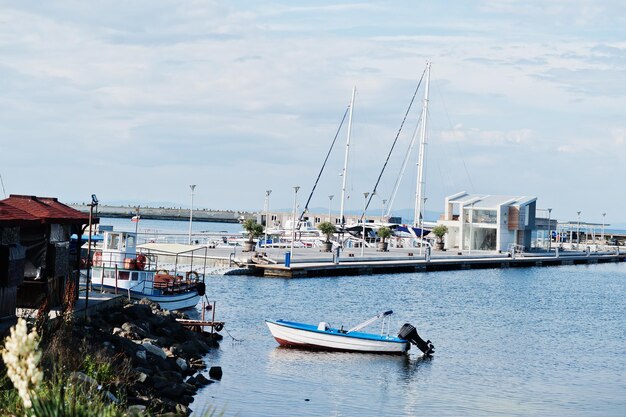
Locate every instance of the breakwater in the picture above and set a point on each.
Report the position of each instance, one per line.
(167, 213)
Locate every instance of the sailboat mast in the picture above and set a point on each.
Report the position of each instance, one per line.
(419, 194)
(344, 173)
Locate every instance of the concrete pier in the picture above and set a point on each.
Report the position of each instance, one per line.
(393, 265)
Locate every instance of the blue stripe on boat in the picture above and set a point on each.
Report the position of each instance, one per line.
(335, 332)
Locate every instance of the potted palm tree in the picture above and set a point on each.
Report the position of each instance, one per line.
(328, 229)
(440, 230)
(253, 229)
(383, 233)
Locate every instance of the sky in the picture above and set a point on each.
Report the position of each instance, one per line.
(135, 101)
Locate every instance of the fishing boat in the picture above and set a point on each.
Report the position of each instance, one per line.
(119, 267)
(325, 337)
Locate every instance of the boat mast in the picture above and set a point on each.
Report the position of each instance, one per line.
(419, 197)
(344, 173)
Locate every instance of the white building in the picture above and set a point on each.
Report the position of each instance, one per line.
(488, 222)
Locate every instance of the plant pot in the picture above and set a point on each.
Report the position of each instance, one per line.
(327, 246)
(249, 246)
(382, 246)
(439, 245)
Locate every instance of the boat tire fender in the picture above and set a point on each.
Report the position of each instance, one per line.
(201, 287)
(140, 263)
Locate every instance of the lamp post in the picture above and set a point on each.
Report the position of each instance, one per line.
(603, 217)
(293, 223)
(330, 199)
(382, 212)
(578, 231)
(193, 187)
(364, 215)
(267, 207)
(94, 203)
(549, 229)
(470, 217)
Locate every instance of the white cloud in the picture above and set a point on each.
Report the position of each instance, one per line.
(199, 87)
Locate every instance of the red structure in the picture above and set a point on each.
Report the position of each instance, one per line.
(37, 257)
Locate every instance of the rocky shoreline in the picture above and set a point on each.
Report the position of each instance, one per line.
(160, 360)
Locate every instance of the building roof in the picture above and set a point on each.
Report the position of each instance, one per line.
(45, 209)
(11, 216)
(486, 201)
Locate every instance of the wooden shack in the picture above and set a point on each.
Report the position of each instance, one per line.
(41, 235)
(12, 258)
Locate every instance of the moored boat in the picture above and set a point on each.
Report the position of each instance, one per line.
(325, 337)
(117, 266)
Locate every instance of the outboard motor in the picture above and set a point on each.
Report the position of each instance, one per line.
(408, 332)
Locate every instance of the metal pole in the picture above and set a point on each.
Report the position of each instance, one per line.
(578, 231)
(470, 217)
(330, 200)
(364, 217)
(603, 217)
(549, 230)
(94, 202)
(293, 223)
(267, 207)
(193, 187)
(382, 212)
(422, 227)
(344, 173)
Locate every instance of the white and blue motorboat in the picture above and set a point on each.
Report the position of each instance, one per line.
(118, 267)
(325, 337)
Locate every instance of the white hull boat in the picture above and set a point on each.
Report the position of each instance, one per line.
(324, 337)
(117, 267)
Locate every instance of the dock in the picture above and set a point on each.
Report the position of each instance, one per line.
(393, 265)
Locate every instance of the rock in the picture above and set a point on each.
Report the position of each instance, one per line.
(84, 379)
(202, 380)
(182, 410)
(141, 377)
(134, 331)
(117, 317)
(136, 410)
(182, 364)
(172, 391)
(189, 389)
(192, 381)
(138, 311)
(157, 351)
(117, 331)
(215, 372)
(141, 354)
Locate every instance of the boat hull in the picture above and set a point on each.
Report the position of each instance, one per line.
(180, 301)
(298, 335)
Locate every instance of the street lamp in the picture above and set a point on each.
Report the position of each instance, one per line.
(364, 215)
(330, 199)
(293, 223)
(549, 229)
(382, 212)
(603, 216)
(267, 207)
(578, 231)
(470, 217)
(193, 187)
(94, 203)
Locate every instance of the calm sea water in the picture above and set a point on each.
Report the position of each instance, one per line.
(509, 342)
(516, 342)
